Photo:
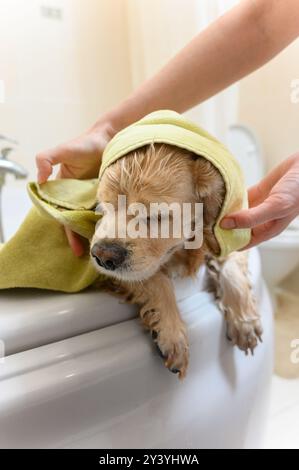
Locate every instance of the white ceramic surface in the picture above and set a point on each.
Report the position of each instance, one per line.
(30, 318)
(15, 205)
(246, 148)
(108, 388)
(280, 256)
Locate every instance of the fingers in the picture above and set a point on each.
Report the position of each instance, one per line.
(269, 230)
(257, 194)
(250, 218)
(273, 204)
(75, 242)
(44, 168)
(260, 191)
(45, 162)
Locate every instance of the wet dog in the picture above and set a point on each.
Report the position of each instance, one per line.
(140, 269)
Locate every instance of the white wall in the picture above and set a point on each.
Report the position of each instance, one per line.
(59, 74)
(266, 105)
(160, 28)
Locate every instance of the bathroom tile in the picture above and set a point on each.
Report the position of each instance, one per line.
(282, 428)
(285, 394)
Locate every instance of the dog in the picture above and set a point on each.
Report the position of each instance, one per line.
(140, 270)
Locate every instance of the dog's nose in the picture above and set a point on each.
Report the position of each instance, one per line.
(109, 256)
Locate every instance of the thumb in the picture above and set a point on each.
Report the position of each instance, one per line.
(250, 218)
(45, 162)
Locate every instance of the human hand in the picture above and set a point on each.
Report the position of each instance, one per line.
(79, 159)
(273, 203)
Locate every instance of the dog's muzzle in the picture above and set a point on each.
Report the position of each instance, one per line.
(109, 256)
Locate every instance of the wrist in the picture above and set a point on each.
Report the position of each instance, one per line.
(105, 127)
(112, 122)
(124, 114)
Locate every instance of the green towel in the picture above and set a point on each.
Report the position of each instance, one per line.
(38, 255)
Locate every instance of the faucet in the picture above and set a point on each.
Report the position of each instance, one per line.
(7, 166)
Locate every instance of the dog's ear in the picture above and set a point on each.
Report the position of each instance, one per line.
(209, 188)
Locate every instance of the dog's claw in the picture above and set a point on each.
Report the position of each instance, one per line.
(155, 339)
(160, 352)
(260, 338)
(154, 335)
(228, 337)
(244, 334)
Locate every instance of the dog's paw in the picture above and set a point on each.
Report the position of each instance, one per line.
(174, 349)
(244, 334)
(170, 339)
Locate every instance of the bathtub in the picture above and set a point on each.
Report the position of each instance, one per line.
(80, 372)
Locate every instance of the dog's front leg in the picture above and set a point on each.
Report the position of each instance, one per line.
(159, 314)
(229, 279)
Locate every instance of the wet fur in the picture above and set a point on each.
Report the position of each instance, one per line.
(164, 173)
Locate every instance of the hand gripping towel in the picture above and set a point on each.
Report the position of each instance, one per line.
(38, 255)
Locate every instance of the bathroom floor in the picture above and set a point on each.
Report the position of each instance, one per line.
(283, 424)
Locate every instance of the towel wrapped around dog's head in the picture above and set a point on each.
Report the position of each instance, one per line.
(169, 127)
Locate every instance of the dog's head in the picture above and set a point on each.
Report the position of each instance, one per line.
(148, 204)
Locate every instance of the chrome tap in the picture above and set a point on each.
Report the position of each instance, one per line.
(7, 139)
(7, 166)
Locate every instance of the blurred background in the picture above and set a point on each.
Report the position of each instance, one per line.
(64, 62)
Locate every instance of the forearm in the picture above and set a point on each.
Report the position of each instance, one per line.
(235, 45)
